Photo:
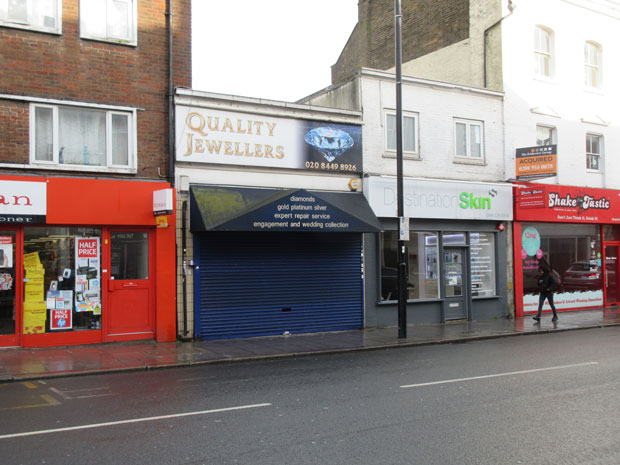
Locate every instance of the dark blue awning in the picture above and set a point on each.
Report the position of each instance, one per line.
(214, 208)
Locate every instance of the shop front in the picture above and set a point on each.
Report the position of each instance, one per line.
(456, 250)
(82, 261)
(277, 261)
(574, 231)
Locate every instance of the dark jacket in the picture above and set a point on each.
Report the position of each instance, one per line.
(546, 283)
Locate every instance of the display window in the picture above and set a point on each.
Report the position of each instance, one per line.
(423, 261)
(482, 256)
(422, 266)
(62, 285)
(8, 282)
(573, 251)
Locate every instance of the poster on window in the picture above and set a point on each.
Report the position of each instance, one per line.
(87, 275)
(61, 316)
(6, 252)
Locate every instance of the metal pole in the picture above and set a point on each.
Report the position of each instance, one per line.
(402, 266)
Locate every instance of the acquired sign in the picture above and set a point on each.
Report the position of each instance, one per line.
(536, 162)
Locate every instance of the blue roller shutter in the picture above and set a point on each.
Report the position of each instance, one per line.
(257, 284)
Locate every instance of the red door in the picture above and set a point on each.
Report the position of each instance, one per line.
(130, 309)
(10, 287)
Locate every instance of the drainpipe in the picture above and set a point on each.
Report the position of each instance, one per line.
(511, 8)
(184, 248)
(169, 17)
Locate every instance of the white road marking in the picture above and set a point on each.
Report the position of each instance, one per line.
(133, 420)
(497, 375)
(66, 395)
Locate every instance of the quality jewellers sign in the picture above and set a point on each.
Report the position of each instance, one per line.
(22, 202)
(440, 199)
(569, 204)
(262, 141)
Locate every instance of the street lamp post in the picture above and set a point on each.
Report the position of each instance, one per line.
(403, 224)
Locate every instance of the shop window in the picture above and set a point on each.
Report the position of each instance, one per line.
(571, 250)
(422, 266)
(545, 135)
(38, 15)
(62, 288)
(482, 257)
(611, 232)
(543, 52)
(130, 255)
(592, 59)
(469, 139)
(7, 282)
(593, 152)
(82, 138)
(410, 133)
(109, 20)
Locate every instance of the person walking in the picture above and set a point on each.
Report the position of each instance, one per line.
(546, 285)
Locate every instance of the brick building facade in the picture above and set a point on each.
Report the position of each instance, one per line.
(67, 66)
(84, 155)
(428, 25)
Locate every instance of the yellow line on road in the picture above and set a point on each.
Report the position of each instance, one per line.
(29, 385)
(49, 402)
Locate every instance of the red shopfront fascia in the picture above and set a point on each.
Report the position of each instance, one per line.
(543, 203)
(114, 206)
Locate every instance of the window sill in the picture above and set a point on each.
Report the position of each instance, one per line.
(594, 171)
(469, 161)
(78, 168)
(485, 297)
(545, 79)
(594, 90)
(410, 301)
(406, 155)
(128, 43)
(28, 27)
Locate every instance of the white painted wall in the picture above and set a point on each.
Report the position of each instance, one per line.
(574, 22)
(437, 105)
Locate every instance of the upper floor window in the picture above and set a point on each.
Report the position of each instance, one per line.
(469, 139)
(109, 20)
(38, 15)
(592, 61)
(545, 135)
(410, 132)
(594, 144)
(543, 52)
(82, 138)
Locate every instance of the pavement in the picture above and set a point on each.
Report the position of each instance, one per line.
(17, 364)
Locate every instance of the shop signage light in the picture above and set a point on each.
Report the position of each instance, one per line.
(162, 202)
(23, 202)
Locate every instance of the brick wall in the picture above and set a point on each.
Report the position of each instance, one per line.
(67, 67)
(427, 25)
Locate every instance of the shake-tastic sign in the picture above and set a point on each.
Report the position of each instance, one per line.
(214, 136)
(22, 202)
(543, 202)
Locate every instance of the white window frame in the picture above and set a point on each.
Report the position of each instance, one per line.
(593, 65)
(391, 152)
(131, 167)
(6, 22)
(541, 53)
(468, 124)
(593, 154)
(551, 129)
(133, 24)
